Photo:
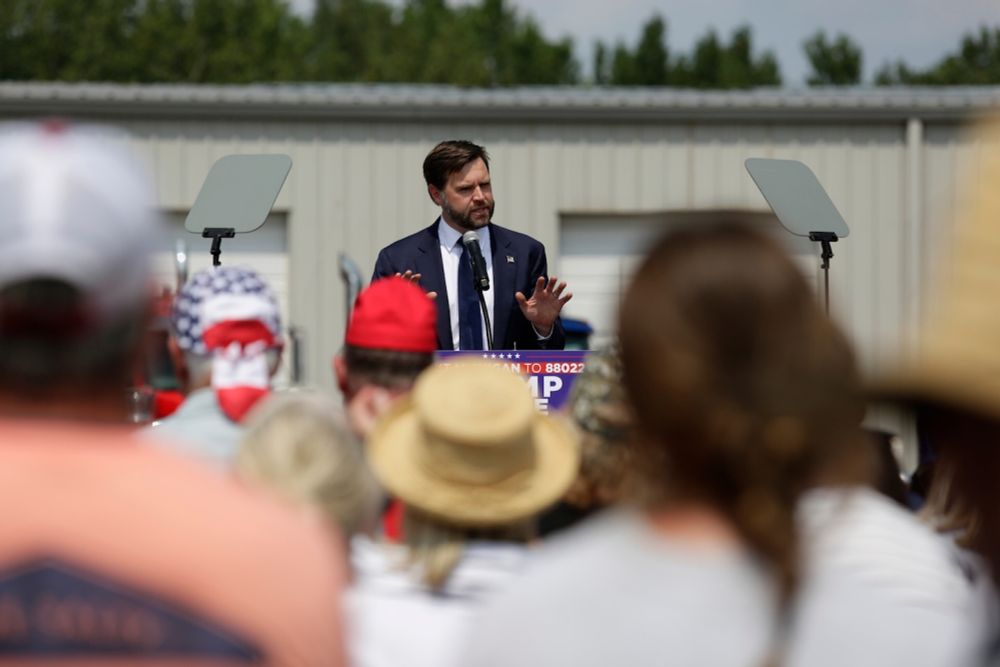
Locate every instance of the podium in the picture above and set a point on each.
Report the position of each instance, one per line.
(549, 373)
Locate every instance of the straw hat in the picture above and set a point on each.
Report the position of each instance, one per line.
(468, 447)
(957, 360)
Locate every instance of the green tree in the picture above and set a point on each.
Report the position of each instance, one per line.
(602, 64)
(537, 61)
(350, 40)
(150, 40)
(651, 54)
(512, 48)
(66, 40)
(239, 41)
(427, 41)
(647, 65)
(623, 68)
(420, 48)
(702, 68)
(834, 63)
(714, 64)
(976, 63)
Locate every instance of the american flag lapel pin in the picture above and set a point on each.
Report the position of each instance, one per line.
(510, 259)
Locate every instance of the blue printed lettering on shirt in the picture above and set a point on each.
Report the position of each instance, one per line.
(50, 608)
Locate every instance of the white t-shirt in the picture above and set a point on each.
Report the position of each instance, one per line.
(614, 593)
(881, 588)
(393, 619)
(878, 589)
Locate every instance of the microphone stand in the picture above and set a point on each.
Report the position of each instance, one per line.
(480, 279)
(486, 317)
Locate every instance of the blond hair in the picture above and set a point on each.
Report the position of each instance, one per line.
(435, 547)
(298, 444)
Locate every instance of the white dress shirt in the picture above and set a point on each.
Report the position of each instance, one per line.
(449, 241)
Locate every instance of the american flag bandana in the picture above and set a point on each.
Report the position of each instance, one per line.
(230, 313)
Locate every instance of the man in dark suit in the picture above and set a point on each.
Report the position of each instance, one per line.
(458, 180)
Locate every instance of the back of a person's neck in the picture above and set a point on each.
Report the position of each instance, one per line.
(696, 524)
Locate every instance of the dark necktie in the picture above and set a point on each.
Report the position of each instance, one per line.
(470, 320)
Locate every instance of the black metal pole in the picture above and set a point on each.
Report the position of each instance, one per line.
(826, 254)
(486, 320)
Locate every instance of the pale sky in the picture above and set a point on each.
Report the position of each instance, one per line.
(917, 31)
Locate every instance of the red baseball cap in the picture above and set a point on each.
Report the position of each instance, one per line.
(393, 314)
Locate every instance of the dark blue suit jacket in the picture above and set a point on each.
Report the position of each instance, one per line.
(421, 254)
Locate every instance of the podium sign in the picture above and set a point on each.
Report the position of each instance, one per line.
(550, 373)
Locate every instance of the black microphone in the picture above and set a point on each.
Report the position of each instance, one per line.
(471, 243)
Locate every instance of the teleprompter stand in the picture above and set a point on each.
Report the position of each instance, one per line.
(236, 197)
(826, 254)
(217, 234)
(802, 207)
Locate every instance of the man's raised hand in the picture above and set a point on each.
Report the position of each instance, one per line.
(545, 303)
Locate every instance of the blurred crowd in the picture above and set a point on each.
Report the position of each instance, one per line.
(709, 496)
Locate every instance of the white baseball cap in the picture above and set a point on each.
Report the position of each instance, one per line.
(76, 205)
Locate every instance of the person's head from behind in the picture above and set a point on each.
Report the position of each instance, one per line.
(470, 458)
(296, 445)
(457, 173)
(77, 223)
(225, 327)
(745, 393)
(962, 499)
(391, 338)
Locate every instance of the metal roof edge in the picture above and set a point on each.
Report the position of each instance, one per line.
(526, 104)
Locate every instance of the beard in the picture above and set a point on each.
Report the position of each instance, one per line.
(465, 219)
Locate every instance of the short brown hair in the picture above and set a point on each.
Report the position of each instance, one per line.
(389, 369)
(450, 156)
(745, 393)
(50, 343)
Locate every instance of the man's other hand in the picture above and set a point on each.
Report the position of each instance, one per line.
(415, 279)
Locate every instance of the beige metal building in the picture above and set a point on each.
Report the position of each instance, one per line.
(592, 173)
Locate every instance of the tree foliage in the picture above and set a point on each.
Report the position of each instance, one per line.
(834, 63)
(976, 63)
(711, 64)
(238, 41)
(714, 64)
(476, 43)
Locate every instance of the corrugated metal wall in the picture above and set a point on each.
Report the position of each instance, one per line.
(357, 186)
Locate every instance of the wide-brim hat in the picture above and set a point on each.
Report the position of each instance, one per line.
(956, 359)
(468, 447)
